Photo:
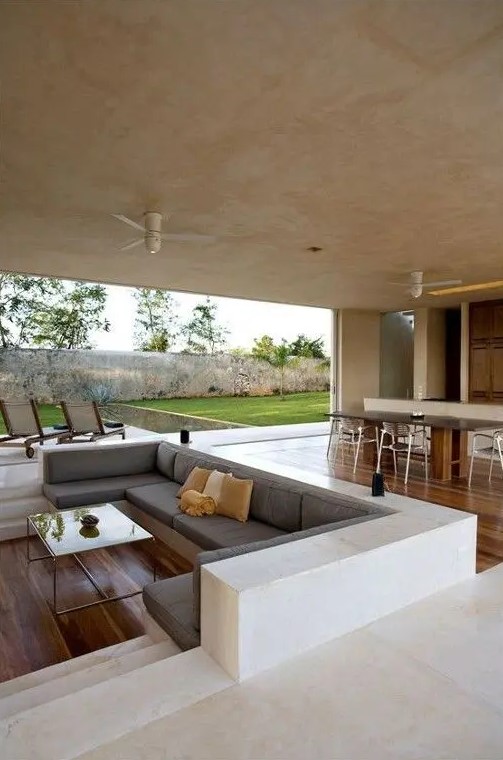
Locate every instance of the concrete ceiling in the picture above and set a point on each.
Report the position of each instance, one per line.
(370, 129)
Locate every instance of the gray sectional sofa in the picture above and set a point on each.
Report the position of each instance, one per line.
(148, 476)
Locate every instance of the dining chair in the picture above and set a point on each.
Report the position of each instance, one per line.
(485, 444)
(403, 439)
(353, 433)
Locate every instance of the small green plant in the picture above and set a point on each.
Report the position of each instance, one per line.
(102, 393)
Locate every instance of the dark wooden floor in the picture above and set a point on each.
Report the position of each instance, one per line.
(31, 637)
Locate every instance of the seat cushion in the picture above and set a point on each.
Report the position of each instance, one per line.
(157, 499)
(215, 531)
(79, 493)
(170, 604)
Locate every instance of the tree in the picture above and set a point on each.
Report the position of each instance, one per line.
(281, 358)
(21, 298)
(311, 348)
(156, 324)
(263, 348)
(203, 333)
(70, 322)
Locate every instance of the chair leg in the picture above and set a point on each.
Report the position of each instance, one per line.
(330, 437)
(491, 463)
(425, 460)
(408, 461)
(336, 446)
(470, 473)
(500, 453)
(394, 461)
(379, 449)
(357, 453)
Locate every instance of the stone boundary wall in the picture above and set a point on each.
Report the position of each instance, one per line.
(53, 375)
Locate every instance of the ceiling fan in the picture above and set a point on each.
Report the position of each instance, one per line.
(415, 285)
(153, 236)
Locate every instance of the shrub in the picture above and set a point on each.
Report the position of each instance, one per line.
(102, 393)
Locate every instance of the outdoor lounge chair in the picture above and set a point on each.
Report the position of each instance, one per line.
(22, 422)
(85, 422)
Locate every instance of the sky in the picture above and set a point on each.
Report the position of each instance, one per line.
(246, 320)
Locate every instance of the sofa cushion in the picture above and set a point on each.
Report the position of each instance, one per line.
(275, 505)
(83, 492)
(215, 531)
(185, 461)
(68, 465)
(321, 509)
(170, 604)
(165, 461)
(157, 499)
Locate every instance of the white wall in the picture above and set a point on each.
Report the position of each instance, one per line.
(397, 356)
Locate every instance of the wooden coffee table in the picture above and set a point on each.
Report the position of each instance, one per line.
(63, 535)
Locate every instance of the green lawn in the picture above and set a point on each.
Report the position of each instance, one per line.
(49, 415)
(259, 410)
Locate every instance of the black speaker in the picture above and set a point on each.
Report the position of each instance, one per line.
(184, 436)
(377, 484)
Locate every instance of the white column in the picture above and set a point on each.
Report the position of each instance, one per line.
(359, 357)
(334, 362)
(429, 353)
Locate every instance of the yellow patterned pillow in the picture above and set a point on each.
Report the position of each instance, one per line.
(197, 504)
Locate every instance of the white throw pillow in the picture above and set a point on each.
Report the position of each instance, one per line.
(214, 485)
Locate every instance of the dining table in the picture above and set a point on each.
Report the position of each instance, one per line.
(448, 437)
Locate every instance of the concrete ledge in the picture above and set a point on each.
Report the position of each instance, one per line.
(261, 609)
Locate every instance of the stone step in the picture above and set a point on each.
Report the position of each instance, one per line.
(69, 726)
(64, 686)
(38, 677)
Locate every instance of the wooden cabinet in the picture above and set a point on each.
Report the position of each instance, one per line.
(486, 352)
(480, 373)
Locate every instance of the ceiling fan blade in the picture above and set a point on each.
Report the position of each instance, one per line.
(441, 283)
(125, 219)
(187, 237)
(135, 243)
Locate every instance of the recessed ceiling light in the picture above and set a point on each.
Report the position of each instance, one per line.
(314, 248)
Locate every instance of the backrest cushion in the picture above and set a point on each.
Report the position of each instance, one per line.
(66, 465)
(185, 461)
(321, 509)
(165, 461)
(276, 505)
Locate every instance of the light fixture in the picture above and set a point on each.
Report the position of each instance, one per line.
(467, 288)
(314, 248)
